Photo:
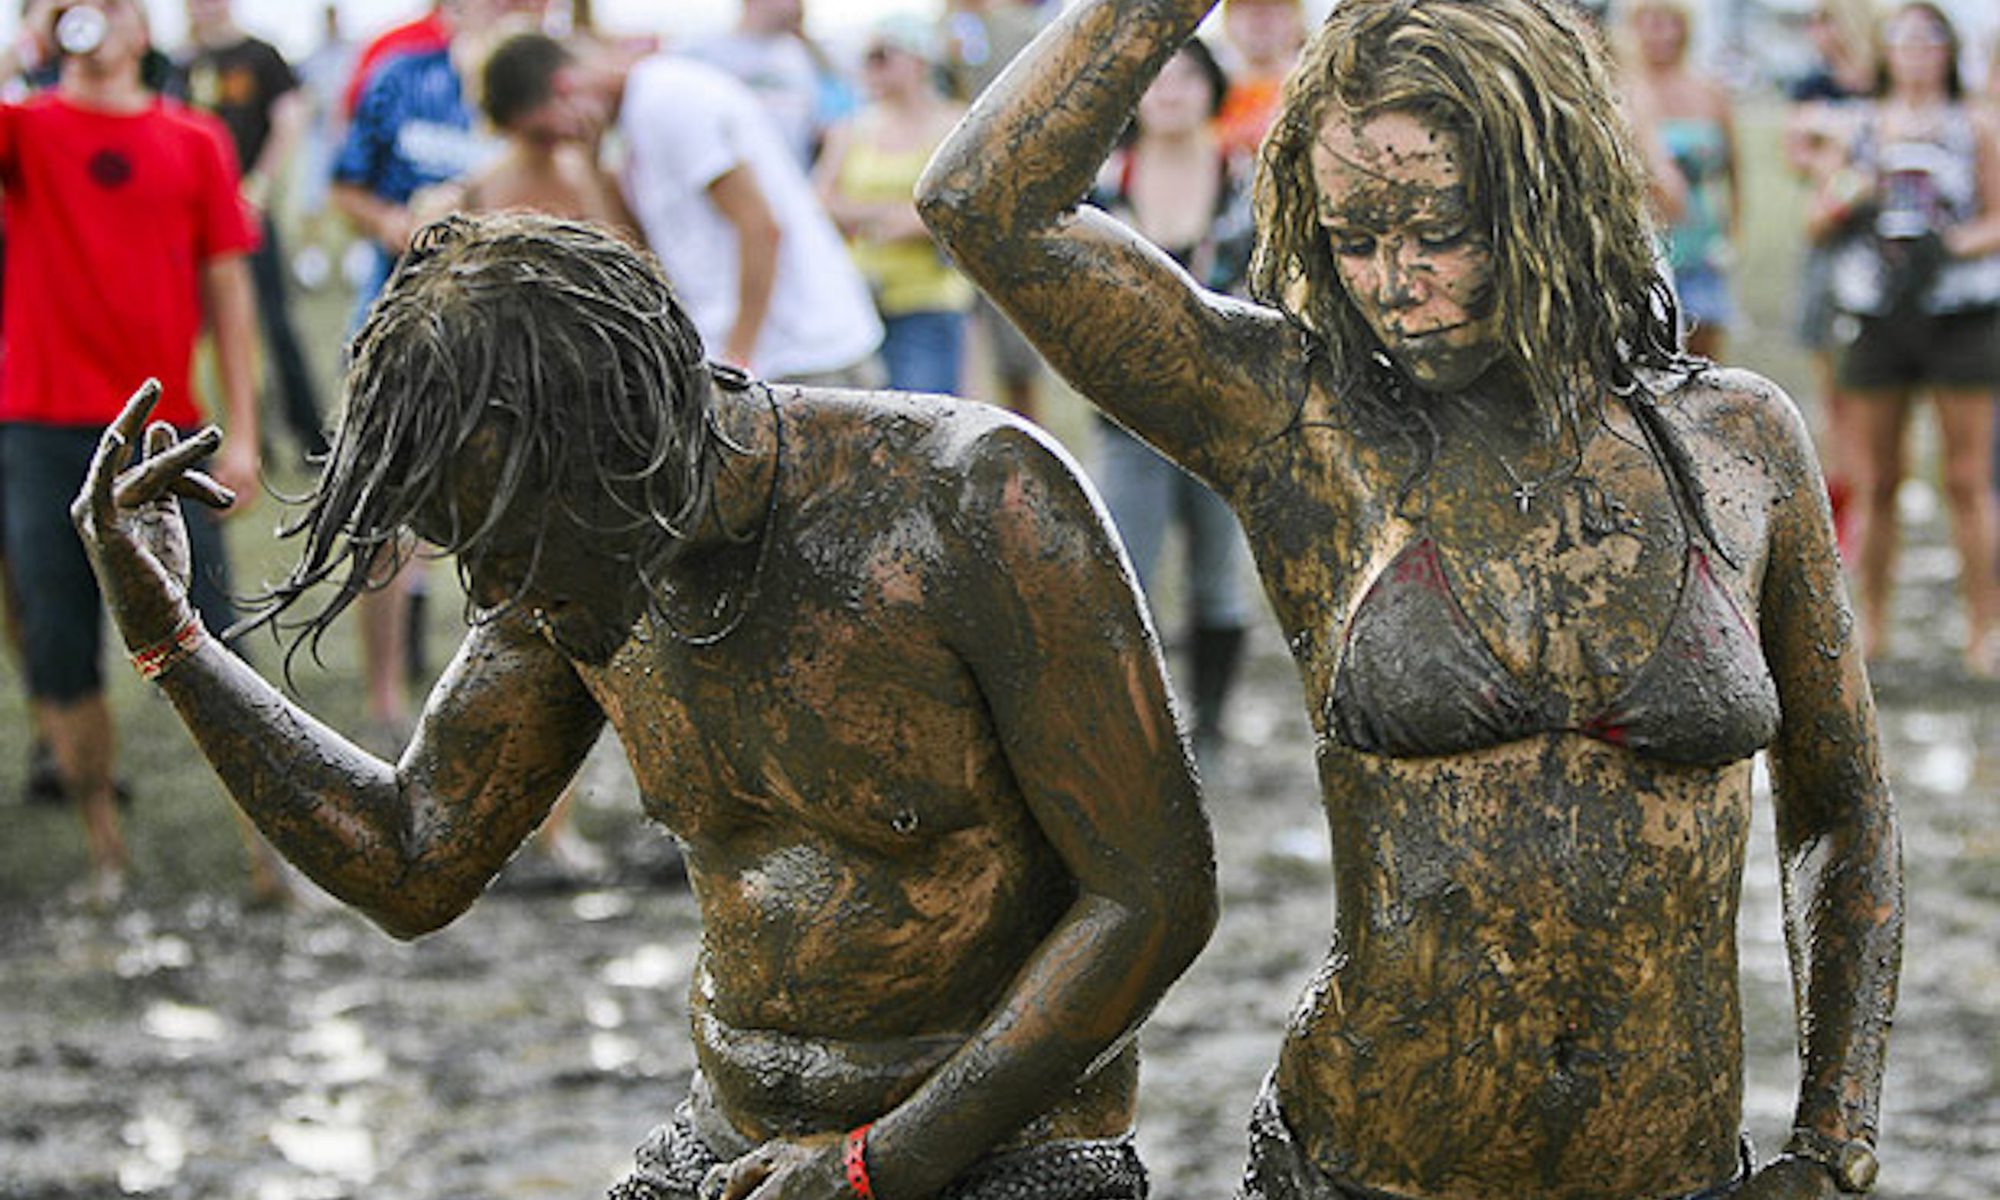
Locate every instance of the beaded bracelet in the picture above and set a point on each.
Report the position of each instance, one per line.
(169, 652)
(854, 1157)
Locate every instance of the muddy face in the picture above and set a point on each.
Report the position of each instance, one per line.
(581, 589)
(1409, 250)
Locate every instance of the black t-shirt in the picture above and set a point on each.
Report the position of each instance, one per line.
(239, 84)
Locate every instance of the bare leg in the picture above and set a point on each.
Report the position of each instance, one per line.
(1875, 457)
(560, 843)
(80, 734)
(1024, 398)
(385, 630)
(1836, 442)
(1965, 425)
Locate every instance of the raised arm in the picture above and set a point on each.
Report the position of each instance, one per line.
(1837, 835)
(410, 844)
(1202, 377)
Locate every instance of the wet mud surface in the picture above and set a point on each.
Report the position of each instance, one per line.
(186, 1048)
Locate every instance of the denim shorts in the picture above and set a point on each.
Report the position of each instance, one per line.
(62, 613)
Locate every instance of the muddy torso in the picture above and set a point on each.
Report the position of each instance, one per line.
(1535, 948)
(869, 876)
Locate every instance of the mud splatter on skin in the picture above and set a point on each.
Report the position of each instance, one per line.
(942, 828)
(1534, 984)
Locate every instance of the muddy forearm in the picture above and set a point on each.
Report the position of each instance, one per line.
(1072, 1007)
(1838, 844)
(1845, 915)
(331, 808)
(1030, 149)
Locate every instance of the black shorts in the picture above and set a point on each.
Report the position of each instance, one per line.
(1954, 350)
(62, 614)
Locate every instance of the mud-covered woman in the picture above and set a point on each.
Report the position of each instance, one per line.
(875, 660)
(1551, 585)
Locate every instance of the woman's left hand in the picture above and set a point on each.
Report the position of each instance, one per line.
(788, 1169)
(1789, 1178)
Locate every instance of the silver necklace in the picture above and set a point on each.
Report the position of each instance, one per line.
(1525, 493)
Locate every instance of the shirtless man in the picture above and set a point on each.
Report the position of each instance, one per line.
(877, 661)
(551, 111)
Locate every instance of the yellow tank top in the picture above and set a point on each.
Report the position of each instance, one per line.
(907, 276)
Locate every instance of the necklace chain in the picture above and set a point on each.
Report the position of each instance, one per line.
(747, 596)
(1526, 491)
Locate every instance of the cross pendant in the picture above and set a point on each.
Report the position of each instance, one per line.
(1524, 495)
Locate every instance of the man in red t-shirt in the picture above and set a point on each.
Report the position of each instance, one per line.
(127, 234)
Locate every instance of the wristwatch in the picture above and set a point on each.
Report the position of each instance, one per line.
(1851, 1163)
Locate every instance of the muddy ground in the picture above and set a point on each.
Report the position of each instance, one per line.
(188, 1048)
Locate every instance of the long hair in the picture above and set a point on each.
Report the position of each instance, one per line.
(1954, 85)
(1551, 169)
(549, 357)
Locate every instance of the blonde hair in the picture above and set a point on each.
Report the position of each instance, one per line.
(1551, 171)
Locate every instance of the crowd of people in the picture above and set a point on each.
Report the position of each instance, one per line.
(1420, 319)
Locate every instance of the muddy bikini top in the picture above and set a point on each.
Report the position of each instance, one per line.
(1416, 679)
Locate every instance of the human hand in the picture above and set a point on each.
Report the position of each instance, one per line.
(131, 524)
(39, 18)
(784, 1169)
(394, 228)
(432, 203)
(1789, 1178)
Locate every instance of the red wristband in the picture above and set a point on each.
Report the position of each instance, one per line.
(854, 1157)
(169, 652)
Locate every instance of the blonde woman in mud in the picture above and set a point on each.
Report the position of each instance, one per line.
(1550, 584)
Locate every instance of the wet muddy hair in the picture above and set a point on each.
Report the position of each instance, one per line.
(546, 354)
(1551, 169)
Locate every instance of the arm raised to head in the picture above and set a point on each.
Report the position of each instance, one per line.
(1202, 377)
(411, 844)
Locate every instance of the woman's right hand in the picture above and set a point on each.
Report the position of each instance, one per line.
(130, 520)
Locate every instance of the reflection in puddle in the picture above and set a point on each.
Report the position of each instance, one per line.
(1303, 843)
(336, 1145)
(172, 1022)
(148, 955)
(301, 1189)
(602, 1011)
(159, 1149)
(1943, 768)
(1939, 757)
(338, 1053)
(612, 1051)
(653, 965)
(601, 906)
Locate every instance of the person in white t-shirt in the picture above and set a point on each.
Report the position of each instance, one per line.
(735, 222)
(769, 54)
